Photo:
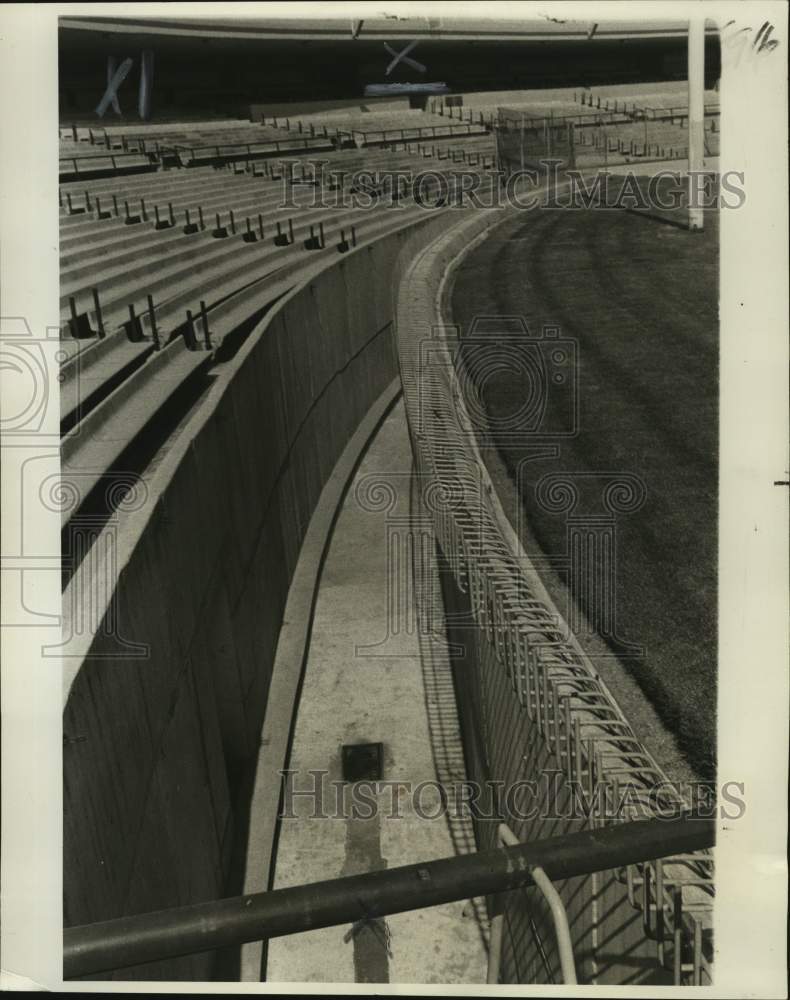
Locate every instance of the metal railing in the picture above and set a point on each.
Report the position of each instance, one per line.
(507, 838)
(187, 930)
(532, 694)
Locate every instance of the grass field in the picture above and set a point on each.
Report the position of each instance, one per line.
(640, 298)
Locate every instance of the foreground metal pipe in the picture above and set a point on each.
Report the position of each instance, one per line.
(148, 937)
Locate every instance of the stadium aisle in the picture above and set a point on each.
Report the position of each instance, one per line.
(364, 684)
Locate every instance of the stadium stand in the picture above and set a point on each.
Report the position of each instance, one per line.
(198, 254)
(593, 128)
(159, 269)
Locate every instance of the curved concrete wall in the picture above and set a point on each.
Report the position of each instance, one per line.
(168, 691)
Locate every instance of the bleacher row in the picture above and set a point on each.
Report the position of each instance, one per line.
(85, 152)
(478, 151)
(616, 130)
(652, 140)
(637, 100)
(93, 153)
(162, 272)
(609, 124)
(371, 128)
(175, 237)
(601, 144)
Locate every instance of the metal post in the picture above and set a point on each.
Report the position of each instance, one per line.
(132, 323)
(97, 309)
(152, 318)
(189, 333)
(73, 323)
(204, 318)
(696, 90)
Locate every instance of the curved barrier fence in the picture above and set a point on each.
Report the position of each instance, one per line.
(536, 717)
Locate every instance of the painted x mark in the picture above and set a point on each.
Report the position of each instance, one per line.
(403, 55)
(115, 79)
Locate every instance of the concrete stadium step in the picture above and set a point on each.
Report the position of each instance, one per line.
(85, 221)
(234, 143)
(84, 150)
(133, 188)
(131, 293)
(197, 281)
(169, 177)
(91, 448)
(233, 311)
(136, 141)
(154, 275)
(85, 226)
(221, 193)
(148, 128)
(111, 234)
(88, 378)
(188, 155)
(89, 166)
(170, 188)
(164, 247)
(141, 139)
(350, 159)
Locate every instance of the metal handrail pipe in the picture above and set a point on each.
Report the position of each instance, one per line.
(201, 927)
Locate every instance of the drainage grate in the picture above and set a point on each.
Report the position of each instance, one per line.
(363, 761)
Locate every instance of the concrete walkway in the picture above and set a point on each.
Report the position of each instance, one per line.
(365, 682)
